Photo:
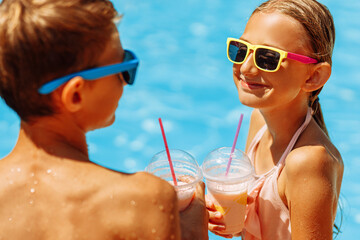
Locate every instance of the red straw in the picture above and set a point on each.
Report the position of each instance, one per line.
(234, 144)
(168, 153)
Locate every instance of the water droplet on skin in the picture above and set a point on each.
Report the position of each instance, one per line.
(153, 230)
(12, 170)
(161, 207)
(10, 219)
(49, 171)
(36, 182)
(18, 169)
(32, 190)
(31, 202)
(133, 203)
(32, 174)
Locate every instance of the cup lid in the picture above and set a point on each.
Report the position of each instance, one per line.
(215, 164)
(184, 164)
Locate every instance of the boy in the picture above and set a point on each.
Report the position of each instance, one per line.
(63, 70)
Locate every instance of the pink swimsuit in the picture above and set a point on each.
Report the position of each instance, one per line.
(268, 218)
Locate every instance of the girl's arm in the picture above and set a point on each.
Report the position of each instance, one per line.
(312, 192)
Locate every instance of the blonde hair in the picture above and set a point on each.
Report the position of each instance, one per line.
(44, 39)
(319, 26)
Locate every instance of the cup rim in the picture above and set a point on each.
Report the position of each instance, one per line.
(229, 179)
(198, 176)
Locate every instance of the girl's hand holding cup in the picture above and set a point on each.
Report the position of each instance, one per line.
(216, 219)
(227, 187)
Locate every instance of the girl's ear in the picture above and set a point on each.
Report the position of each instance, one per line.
(72, 95)
(319, 75)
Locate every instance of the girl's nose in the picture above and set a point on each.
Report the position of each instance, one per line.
(248, 68)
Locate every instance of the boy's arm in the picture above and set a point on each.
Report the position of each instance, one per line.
(194, 219)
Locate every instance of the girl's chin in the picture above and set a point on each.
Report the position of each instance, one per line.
(249, 100)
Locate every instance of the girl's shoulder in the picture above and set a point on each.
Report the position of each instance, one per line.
(316, 159)
(314, 155)
(310, 181)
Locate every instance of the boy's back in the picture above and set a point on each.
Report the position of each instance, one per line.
(43, 197)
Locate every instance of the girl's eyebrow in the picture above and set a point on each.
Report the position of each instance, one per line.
(263, 44)
(244, 39)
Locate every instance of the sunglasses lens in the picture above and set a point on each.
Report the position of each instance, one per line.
(267, 59)
(237, 51)
(129, 75)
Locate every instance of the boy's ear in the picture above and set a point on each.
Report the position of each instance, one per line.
(72, 94)
(319, 74)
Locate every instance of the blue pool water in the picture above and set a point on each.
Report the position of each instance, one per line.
(186, 79)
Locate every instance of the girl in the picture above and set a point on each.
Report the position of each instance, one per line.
(280, 64)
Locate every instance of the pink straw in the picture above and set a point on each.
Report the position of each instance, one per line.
(234, 144)
(168, 153)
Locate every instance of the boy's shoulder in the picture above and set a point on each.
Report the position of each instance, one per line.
(140, 182)
(141, 203)
(148, 186)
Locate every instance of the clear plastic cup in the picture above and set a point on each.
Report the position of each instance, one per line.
(229, 192)
(187, 172)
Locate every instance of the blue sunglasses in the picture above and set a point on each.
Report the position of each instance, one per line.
(128, 69)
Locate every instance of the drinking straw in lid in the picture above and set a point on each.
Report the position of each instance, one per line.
(168, 153)
(234, 144)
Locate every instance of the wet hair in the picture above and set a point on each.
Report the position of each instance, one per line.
(44, 39)
(319, 26)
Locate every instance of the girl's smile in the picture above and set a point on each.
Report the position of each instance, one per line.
(251, 85)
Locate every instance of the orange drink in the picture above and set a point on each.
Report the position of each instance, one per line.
(232, 206)
(228, 191)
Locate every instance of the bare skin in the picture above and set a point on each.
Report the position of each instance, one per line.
(50, 190)
(309, 184)
(49, 197)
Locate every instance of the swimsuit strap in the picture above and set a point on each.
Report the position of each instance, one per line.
(260, 133)
(296, 136)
